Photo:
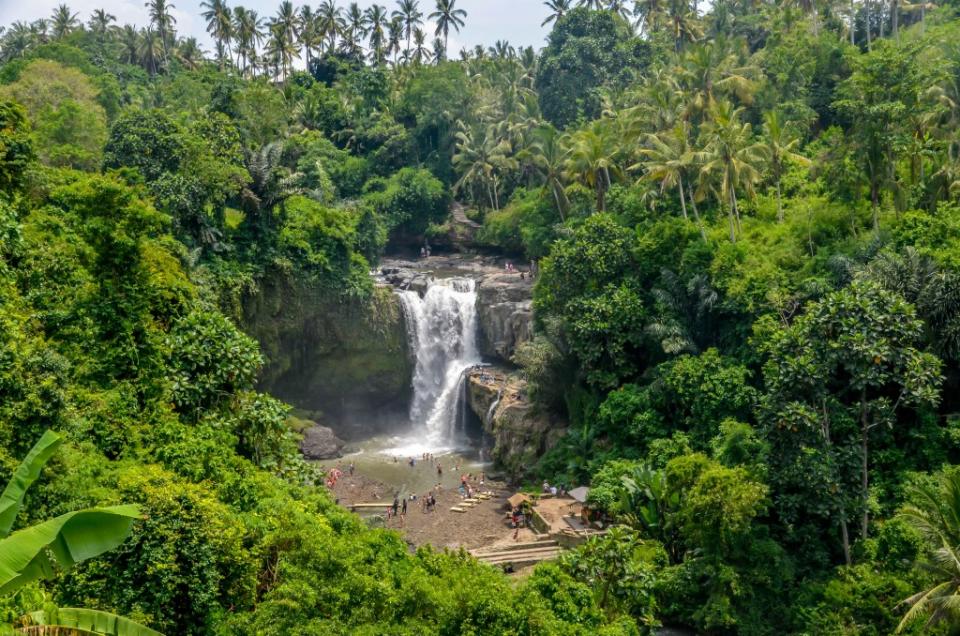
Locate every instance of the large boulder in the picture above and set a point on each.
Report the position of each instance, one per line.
(505, 313)
(320, 442)
(345, 362)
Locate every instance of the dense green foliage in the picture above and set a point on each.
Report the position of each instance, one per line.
(747, 229)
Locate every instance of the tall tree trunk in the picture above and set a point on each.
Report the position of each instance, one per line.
(866, 21)
(895, 19)
(733, 232)
(853, 23)
(696, 215)
(736, 208)
(779, 202)
(683, 199)
(844, 530)
(864, 476)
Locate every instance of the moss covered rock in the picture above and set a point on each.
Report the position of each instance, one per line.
(346, 362)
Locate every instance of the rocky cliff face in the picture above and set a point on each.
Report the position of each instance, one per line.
(520, 432)
(504, 300)
(505, 312)
(329, 358)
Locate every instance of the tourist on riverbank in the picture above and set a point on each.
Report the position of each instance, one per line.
(396, 505)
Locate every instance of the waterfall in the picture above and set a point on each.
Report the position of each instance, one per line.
(493, 407)
(442, 330)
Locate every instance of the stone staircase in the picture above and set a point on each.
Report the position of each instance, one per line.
(519, 554)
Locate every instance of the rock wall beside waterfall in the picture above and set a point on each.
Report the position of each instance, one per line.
(331, 358)
(505, 310)
(521, 433)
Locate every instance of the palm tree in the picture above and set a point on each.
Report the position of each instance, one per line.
(446, 16)
(355, 29)
(439, 53)
(728, 154)
(17, 41)
(591, 160)
(547, 154)
(778, 148)
(596, 5)
(479, 158)
(219, 26)
(150, 53)
(330, 22)
(667, 160)
(651, 15)
(270, 182)
(162, 21)
(286, 19)
(684, 23)
(619, 7)
(63, 21)
(99, 23)
(248, 28)
(410, 16)
(375, 19)
(130, 44)
(713, 69)
(558, 9)
(189, 53)
(420, 51)
(311, 36)
(282, 48)
(394, 38)
(40, 31)
(935, 512)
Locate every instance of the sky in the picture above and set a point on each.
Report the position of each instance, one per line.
(517, 21)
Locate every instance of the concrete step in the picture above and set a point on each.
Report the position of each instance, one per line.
(521, 557)
(510, 554)
(545, 542)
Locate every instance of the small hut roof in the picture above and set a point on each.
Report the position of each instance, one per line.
(580, 494)
(518, 499)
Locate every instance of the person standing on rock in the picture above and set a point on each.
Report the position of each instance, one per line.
(396, 504)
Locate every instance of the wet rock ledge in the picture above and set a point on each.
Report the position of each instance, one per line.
(521, 432)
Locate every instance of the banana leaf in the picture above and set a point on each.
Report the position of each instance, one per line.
(86, 621)
(27, 472)
(30, 554)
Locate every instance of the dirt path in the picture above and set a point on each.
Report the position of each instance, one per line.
(481, 526)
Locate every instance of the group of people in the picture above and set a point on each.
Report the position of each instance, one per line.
(466, 488)
(398, 510)
(334, 475)
(512, 269)
(553, 489)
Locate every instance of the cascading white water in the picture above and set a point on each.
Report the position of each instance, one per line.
(443, 337)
